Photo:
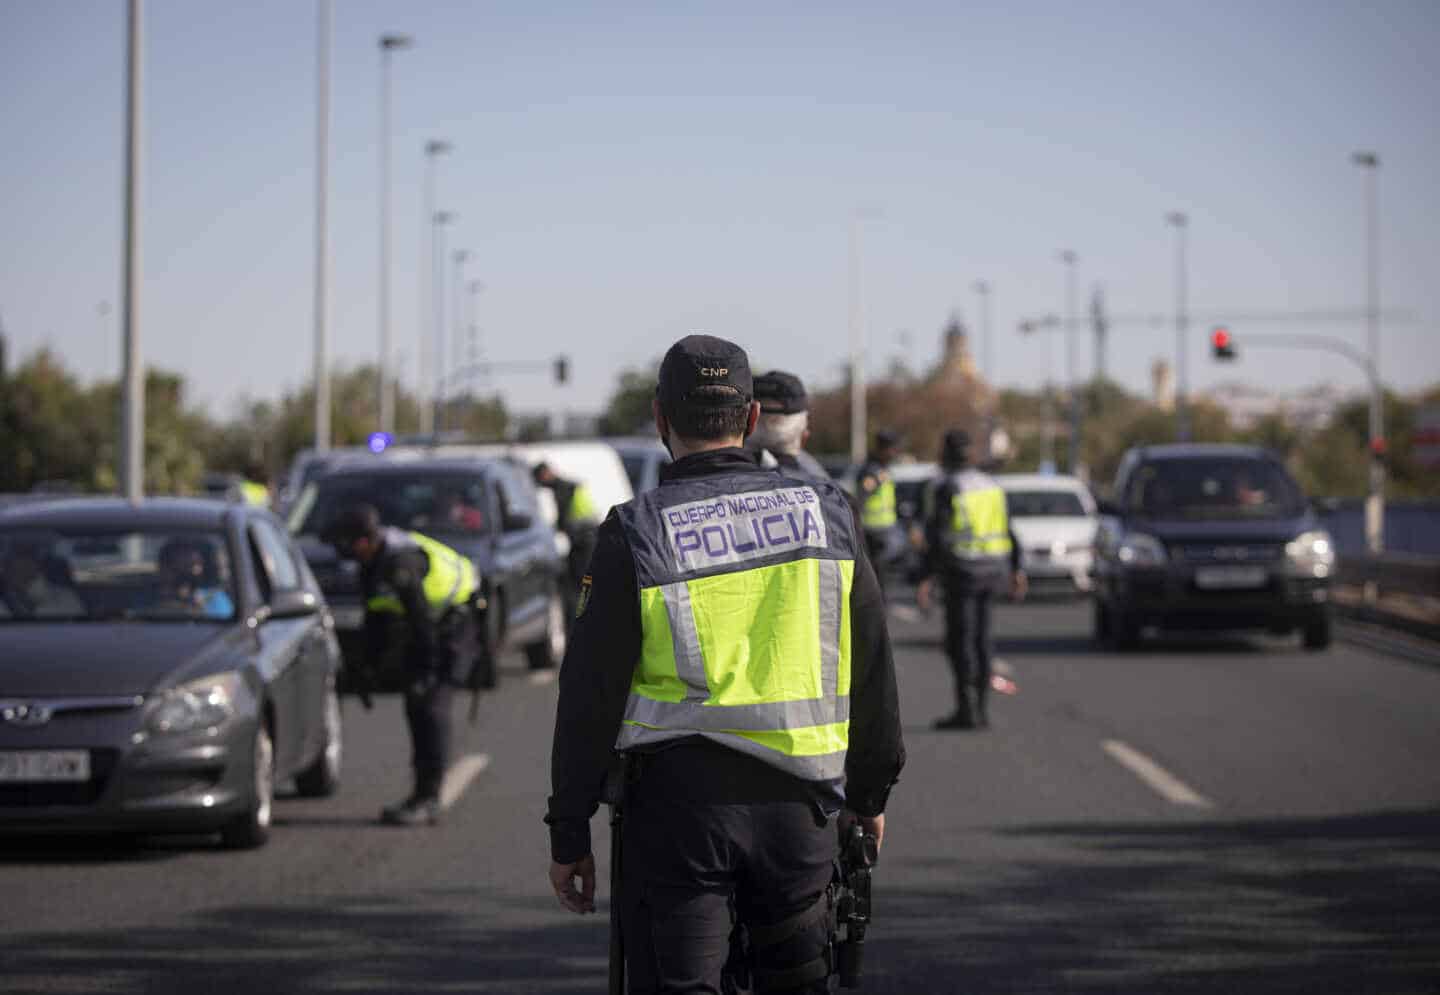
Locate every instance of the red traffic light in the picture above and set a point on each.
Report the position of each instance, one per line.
(1222, 346)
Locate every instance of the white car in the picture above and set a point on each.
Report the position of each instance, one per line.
(1055, 519)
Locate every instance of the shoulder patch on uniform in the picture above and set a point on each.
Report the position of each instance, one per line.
(583, 601)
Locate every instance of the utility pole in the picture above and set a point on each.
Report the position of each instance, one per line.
(857, 351)
(1072, 374)
(434, 149)
(987, 359)
(1375, 498)
(1101, 325)
(437, 262)
(1181, 223)
(458, 288)
(322, 234)
(132, 422)
(386, 381)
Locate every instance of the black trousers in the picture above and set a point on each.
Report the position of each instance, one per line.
(711, 841)
(427, 713)
(968, 642)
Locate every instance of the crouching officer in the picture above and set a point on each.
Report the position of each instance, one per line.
(973, 550)
(733, 646)
(423, 592)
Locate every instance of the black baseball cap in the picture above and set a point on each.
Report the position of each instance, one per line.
(780, 393)
(887, 438)
(704, 361)
(955, 446)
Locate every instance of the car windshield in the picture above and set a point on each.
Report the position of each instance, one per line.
(1044, 504)
(156, 575)
(1217, 488)
(433, 503)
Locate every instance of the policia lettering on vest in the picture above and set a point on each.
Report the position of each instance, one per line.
(733, 649)
(420, 600)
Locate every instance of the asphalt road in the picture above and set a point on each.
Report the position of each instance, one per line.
(1230, 816)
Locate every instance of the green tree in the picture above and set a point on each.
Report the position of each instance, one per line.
(628, 410)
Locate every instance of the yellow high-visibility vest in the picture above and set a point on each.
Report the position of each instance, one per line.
(255, 493)
(878, 511)
(450, 580)
(979, 520)
(745, 617)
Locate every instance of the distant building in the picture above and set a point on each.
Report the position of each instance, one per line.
(1162, 385)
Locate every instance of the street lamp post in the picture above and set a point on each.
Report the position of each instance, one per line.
(473, 350)
(1069, 258)
(132, 449)
(987, 369)
(1375, 499)
(437, 262)
(434, 149)
(1181, 223)
(322, 233)
(388, 43)
(459, 257)
(857, 350)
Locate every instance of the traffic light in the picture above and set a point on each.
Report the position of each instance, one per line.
(1222, 346)
(562, 369)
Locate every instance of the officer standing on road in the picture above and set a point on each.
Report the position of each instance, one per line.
(709, 649)
(878, 511)
(578, 518)
(973, 550)
(784, 425)
(423, 592)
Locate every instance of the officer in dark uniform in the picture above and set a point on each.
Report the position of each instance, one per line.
(578, 518)
(973, 550)
(784, 425)
(709, 650)
(879, 511)
(422, 592)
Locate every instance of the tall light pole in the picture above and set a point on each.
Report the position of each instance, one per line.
(1068, 257)
(132, 446)
(322, 234)
(471, 375)
(434, 149)
(459, 257)
(857, 350)
(1375, 499)
(388, 43)
(987, 359)
(437, 267)
(1181, 224)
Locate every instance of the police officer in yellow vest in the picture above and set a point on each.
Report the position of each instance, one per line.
(421, 591)
(578, 517)
(875, 490)
(732, 643)
(972, 549)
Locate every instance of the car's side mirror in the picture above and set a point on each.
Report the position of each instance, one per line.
(293, 604)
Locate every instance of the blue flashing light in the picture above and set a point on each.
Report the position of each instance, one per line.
(379, 442)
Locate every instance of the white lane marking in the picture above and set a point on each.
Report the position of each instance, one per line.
(538, 677)
(1165, 784)
(459, 776)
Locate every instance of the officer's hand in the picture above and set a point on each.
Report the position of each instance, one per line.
(923, 594)
(870, 825)
(562, 879)
(1019, 585)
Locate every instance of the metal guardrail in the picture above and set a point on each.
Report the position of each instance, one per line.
(1397, 590)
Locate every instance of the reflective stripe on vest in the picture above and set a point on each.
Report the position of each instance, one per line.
(745, 619)
(878, 511)
(450, 579)
(979, 520)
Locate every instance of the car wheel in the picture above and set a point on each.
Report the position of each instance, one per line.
(548, 652)
(1317, 634)
(252, 827)
(1124, 631)
(322, 778)
(487, 662)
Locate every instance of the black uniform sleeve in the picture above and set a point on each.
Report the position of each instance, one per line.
(405, 572)
(595, 679)
(877, 747)
(1014, 547)
(937, 527)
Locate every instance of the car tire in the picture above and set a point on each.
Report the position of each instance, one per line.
(487, 659)
(322, 778)
(548, 652)
(1124, 631)
(1317, 633)
(251, 828)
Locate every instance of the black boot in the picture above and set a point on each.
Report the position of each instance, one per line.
(963, 717)
(981, 710)
(417, 810)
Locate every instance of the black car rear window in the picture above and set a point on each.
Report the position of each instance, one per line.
(1214, 488)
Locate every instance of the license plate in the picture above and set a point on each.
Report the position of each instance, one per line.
(1230, 578)
(44, 765)
(348, 616)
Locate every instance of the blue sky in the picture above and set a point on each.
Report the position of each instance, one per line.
(627, 173)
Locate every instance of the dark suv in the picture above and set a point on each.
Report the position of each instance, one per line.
(484, 508)
(1210, 537)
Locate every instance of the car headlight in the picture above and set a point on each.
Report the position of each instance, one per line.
(1311, 554)
(1140, 550)
(200, 704)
